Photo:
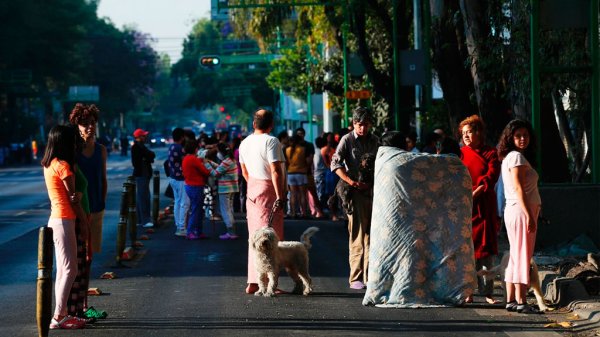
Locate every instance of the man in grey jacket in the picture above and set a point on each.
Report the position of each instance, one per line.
(345, 163)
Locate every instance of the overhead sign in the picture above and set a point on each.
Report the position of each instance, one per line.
(358, 94)
(84, 94)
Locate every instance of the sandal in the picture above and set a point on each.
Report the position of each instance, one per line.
(469, 299)
(68, 322)
(491, 300)
(91, 312)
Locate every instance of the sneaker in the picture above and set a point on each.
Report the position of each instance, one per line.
(192, 236)
(228, 236)
(181, 232)
(511, 306)
(527, 309)
(148, 225)
(357, 285)
(92, 312)
(68, 322)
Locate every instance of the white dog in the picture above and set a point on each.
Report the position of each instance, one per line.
(272, 255)
(534, 278)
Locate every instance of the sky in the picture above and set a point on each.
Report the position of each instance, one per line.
(167, 21)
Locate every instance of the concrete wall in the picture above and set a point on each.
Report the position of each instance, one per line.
(572, 210)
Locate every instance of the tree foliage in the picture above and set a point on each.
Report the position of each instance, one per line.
(63, 43)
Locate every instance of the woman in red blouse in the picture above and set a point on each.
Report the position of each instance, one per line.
(482, 162)
(195, 176)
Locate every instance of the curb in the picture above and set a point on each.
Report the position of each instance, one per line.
(588, 312)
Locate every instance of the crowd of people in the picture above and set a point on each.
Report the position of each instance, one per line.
(271, 178)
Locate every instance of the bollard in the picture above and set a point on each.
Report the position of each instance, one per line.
(44, 281)
(122, 226)
(155, 197)
(132, 215)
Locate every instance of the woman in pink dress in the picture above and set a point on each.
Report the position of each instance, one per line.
(516, 149)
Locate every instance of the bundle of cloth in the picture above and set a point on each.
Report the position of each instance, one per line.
(421, 251)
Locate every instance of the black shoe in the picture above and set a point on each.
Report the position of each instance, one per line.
(527, 309)
(511, 306)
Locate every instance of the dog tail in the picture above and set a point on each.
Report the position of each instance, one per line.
(305, 237)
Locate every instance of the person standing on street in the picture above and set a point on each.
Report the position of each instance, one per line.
(484, 168)
(516, 149)
(91, 161)
(263, 167)
(227, 174)
(347, 155)
(59, 166)
(176, 180)
(142, 159)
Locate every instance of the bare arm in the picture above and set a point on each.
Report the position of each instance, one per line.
(104, 180)
(341, 172)
(518, 176)
(75, 198)
(244, 171)
(278, 178)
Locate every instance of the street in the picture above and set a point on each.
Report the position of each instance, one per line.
(176, 287)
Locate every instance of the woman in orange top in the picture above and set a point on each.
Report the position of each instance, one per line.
(58, 162)
(297, 167)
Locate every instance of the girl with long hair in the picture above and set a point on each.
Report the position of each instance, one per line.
(58, 163)
(516, 149)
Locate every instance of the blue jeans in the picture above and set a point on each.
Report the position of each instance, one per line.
(226, 207)
(182, 202)
(142, 202)
(196, 215)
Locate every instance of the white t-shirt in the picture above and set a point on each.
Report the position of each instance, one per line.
(514, 159)
(257, 152)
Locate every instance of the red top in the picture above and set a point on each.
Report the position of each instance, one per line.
(194, 171)
(484, 167)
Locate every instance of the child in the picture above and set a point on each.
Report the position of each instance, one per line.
(227, 172)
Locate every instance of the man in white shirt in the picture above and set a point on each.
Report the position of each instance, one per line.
(263, 167)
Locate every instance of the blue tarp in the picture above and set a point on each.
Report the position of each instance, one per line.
(421, 251)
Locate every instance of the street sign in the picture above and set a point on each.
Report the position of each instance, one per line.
(358, 94)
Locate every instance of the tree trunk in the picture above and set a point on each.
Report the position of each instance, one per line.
(448, 60)
(488, 90)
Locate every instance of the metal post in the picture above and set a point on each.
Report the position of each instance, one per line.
(595, 87)
(132, 215)
(44, 281)
(417, 10)
(122, 225)
(156, 197)
(396, 66)
(427, 90)
(345, 63)
(535, 78)
(309, 98)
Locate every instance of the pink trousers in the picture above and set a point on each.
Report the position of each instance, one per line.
(521, 244)
(259, 202)
(65, 249)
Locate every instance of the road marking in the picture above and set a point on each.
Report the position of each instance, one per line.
(21, 213)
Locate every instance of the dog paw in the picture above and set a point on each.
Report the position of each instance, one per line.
(269, 294)
(258, 293)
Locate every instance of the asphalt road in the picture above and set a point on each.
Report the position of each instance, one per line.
(180, 288)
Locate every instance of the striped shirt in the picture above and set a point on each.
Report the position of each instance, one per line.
(227, 172)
